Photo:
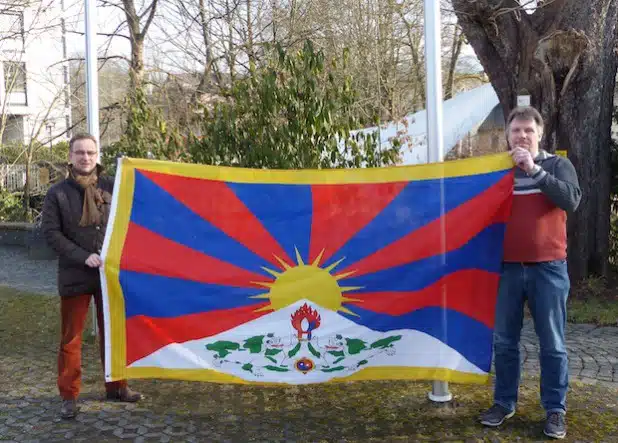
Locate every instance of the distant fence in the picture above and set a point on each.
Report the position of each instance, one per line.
(13, 178)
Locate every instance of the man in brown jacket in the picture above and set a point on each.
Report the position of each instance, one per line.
(75, 215)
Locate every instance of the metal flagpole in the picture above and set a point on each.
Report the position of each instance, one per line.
(435, 141)
(92, 90)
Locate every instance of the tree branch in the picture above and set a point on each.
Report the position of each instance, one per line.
(103, 34)
(106, 3)
(153, 5)
(81, 59)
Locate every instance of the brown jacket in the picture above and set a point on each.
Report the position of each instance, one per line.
(62, 210)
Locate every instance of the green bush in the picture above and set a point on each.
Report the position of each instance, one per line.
(294, 113)
(11, 206)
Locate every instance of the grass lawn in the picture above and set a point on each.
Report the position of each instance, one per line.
(595, 300)
(360, 411)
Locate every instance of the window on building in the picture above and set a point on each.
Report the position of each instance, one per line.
(14, 129)
(12, 30)
(14, 77)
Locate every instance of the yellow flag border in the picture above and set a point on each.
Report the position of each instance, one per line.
(371, 373)
(455, 168)
(113, 297)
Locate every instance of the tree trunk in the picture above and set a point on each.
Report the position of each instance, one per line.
(275, 16)
(138, 36)
(563, 55)
(458, 39)
(26, 202)
(416, 74)
(210, 66)
(250, 49)
(230, 46)
(136, 73)
(3, 120)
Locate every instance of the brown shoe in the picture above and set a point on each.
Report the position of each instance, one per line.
(69, 409)
(125, 395)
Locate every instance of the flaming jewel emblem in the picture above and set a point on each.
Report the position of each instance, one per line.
(312, 322)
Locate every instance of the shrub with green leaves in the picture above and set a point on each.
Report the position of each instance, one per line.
(296, 112)
(11, 206)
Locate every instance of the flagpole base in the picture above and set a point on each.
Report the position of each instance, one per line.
(439, 392)
(440, 398)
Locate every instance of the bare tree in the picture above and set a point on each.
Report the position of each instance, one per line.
(201, 46)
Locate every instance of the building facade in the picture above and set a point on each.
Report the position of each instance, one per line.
(35, 96)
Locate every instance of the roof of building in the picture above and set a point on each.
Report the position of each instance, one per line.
(461, 114)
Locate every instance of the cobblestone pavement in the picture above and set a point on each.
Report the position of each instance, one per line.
(29, 406)
(593, 352)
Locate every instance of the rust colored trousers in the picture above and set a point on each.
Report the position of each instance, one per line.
(74, 310)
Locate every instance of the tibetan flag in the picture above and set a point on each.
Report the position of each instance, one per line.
(270, 276)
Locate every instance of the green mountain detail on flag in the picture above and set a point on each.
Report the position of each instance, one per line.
(261, 354)
(223, 348)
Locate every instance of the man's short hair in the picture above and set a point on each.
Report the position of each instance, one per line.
(82, 136)
(525, 113)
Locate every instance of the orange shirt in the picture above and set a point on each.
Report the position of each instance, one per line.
(536, 231)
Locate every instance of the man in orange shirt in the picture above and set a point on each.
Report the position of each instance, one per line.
(534, 269)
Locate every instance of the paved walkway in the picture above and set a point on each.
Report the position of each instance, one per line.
(18, 272)
(593, 352)
(29, 407)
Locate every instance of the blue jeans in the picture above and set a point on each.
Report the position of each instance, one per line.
(546, 287)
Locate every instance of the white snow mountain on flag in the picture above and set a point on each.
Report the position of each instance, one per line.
(275, 348)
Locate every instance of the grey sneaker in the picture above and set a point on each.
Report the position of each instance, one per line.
(495, 416)
(555, 425)
(69, 409)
